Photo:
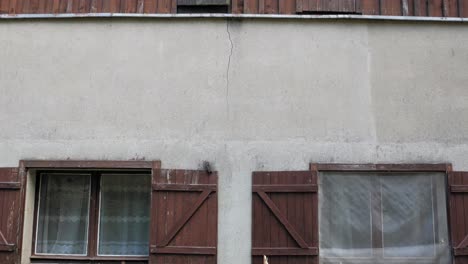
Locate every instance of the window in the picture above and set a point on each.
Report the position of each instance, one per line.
(370, 217)
(202, 6)
(93, 214)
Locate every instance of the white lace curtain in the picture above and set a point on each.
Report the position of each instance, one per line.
(124, 214)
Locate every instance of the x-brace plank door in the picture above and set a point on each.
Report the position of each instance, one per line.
(184, 217)
(459, 214)
(284, 216)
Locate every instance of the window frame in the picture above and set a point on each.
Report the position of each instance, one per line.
(383, 168)
(93, 216)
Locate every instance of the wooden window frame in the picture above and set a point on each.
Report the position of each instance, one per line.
(382, 168)
(136, 166)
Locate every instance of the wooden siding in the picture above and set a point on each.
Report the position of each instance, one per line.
(285, 217)
(184, 217)
(434, 8)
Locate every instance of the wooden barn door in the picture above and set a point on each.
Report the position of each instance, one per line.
(184, 217)
(285, 219)
(459, 215)
(10, 188)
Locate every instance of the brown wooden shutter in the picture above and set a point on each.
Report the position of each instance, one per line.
(285, 217)
(9, 215)
(328, 6)
(459, 215)
(184, 215)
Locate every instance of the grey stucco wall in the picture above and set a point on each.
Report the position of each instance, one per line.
(245, 94)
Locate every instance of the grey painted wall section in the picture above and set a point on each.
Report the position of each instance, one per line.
(246, 95)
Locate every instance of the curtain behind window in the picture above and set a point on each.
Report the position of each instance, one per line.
(125, 214)
(63, 214)
(383, 218)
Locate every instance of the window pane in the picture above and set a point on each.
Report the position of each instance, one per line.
(124, 214)
(62, 226)
(383, 218)
(410, 211)
(345, 215)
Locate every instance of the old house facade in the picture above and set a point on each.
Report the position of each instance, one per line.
(163, 131)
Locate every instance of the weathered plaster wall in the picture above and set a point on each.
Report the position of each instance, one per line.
(246, 95)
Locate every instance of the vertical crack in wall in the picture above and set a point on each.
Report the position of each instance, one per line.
(228, 68)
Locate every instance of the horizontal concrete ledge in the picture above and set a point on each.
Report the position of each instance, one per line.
(237, 16)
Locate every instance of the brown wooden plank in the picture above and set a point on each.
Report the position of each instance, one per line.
(128, 6)
(114, 6)
(184, 250)
(211, 216)
(285, 188)
(48, 6)
(459, 228)
(435, 8)
(89, 164)
(457, 212)
(460, 252)
(140, 6)
(411, 7)
(251, 6)
(285, 251)
(290, 202)
(7, 248)
(10, 185)
(281, 217)
(451, 8)
(150, 6)
(164, 6)
(158, 214)
(56, 6)
(12, 7)
(287, 6)
(105, 6)
(271, 6)
(441, 167)
(267, 222)
(83, 6)
(237, 6)
(95, 6)
(421, 8)
(4, 6)
(463, 8)
(178, 206)
(459, 188)
(22, 6)
(464, 237)
(390, 8)
(28, 6)
(184, 187)
(42, 6)
(282, 238)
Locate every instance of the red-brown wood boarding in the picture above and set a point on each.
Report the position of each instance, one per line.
(184, 217)
(435, 8)
(458, 182)
(10, 189)
(285, 217)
